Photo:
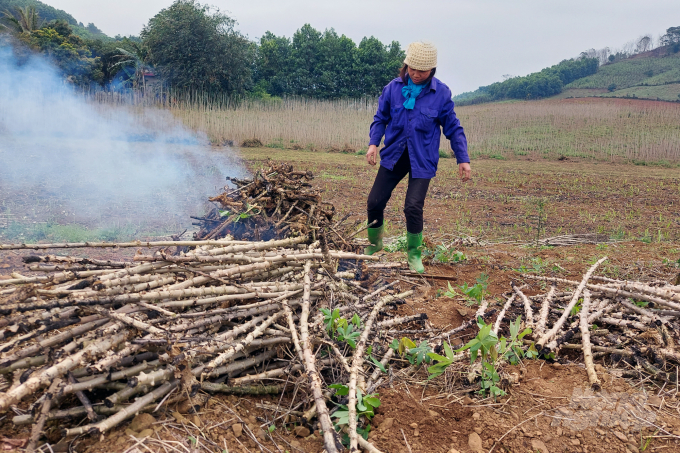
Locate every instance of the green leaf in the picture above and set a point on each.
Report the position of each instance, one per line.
(419, 353)
(380, 366)
(340, 389)
(356, 320)
(342, 417)
(437, 357)
(363, 432)
(532, 353)
(447, 350)
(372, 401)
(526, 331)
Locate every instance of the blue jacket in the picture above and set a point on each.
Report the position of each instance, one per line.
(419, 128)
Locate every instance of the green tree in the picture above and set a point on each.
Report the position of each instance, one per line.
(273, 65)
(134, 61)
(377, 64)
(324, 65)
(46, 12)
(23, 20)
(671, 37)
(305, 58)
(195, 47)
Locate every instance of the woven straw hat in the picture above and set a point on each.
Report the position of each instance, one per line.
(421, 56)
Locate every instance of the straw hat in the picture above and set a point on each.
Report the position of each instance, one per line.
(421, 56)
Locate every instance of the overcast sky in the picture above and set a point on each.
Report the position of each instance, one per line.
(478, 40)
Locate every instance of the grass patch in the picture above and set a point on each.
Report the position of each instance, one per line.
(54, 232)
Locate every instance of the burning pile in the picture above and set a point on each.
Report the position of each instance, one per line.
(277, 202)
(222, 317)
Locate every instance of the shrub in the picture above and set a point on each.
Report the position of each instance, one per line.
(444, 154)
(252, 143)
(611, 87)
(347, 149)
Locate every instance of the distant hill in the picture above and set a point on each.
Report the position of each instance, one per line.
(49, 13)
(538, 85)
(633, 72)
(649, 75)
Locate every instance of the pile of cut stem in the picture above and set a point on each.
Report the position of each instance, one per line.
(627, 321)
(277, 202)
(227, 316)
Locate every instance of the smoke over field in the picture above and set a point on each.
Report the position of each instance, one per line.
(67, 165)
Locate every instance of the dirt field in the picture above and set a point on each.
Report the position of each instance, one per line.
(545, 411)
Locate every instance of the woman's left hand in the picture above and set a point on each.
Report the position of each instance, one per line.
(465, 171)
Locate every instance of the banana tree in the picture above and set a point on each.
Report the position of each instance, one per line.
(134, 63)
(26, 20)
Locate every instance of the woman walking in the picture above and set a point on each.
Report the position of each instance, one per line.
(411, 110)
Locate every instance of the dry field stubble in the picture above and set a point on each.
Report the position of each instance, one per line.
(597, 128)
(503, 199)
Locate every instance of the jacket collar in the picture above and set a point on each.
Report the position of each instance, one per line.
(433, 83)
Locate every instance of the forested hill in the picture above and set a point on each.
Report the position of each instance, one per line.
(548, 82)
(640, 71)
(49, 13)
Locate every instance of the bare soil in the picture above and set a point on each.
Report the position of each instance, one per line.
(639, 204)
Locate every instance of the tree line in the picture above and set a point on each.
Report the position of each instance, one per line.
(545, 83)
(192, 46)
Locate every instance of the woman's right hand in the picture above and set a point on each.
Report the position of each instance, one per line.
(372, 155)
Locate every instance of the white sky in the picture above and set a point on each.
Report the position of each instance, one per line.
(478, 40)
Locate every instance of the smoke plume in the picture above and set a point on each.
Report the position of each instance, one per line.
(65, 160)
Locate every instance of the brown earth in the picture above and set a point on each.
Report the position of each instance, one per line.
(635, 204)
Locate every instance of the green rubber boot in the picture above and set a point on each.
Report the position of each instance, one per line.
(414, 241)
(375, 237)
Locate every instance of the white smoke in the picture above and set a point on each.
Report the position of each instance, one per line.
(65, 160)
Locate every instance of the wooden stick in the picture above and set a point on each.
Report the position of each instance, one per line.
(75, 245)
(585, 341)
(357, 361)
(84, 400)
(362, 229)
(545, 309)
(278, 372)
(379, 290)
(242, 390)
(501, 315)
(529, 321)
(385, 360)
(33, 383)
(402, 320)
(567, 311)
(37, 430)
(367, 446)
(613, 291)
(643, 311)
(137, 324)
(125, 413)
(310, 367)
(222, 358)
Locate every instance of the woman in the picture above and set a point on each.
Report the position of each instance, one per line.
(411, 110)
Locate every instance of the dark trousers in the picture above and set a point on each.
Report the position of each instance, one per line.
(384, 184)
